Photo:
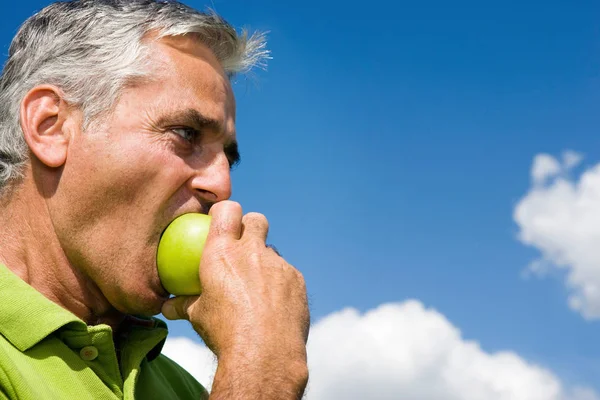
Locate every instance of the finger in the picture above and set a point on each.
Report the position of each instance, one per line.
(255, 225)
(226, 219)
(177, 307)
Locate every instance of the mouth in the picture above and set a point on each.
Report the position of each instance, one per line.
(161, 291)
(158, 287)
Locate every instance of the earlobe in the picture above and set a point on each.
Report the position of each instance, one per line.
(43, 116)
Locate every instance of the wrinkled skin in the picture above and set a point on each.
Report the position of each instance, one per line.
(84, 224)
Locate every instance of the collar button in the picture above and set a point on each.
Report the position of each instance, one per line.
(88, 353)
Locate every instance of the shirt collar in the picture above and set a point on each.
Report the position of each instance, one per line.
(27, 316)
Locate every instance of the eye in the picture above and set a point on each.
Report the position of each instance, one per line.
(186, 133)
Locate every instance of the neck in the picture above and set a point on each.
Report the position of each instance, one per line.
(31, 249)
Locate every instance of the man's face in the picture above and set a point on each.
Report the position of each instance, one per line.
(165, 151)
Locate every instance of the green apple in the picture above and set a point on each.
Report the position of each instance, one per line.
(179, 253)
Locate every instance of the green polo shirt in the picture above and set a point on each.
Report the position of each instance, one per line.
(46, 352)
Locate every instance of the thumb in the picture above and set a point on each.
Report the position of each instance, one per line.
(177, 307)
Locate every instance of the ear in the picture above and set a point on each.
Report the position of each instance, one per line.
(43, 115)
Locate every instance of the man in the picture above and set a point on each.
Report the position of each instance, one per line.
(117, 116)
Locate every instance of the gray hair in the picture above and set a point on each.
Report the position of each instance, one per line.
(92, 49)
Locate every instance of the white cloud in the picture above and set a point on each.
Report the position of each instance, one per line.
(561, 218)
(197, 359)
(571, 159)
(405, 351)
(545, 167)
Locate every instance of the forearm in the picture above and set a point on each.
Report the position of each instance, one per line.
(264, 377)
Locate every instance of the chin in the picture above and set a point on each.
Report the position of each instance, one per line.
(144, 306)
(139, 291)
(141, 301)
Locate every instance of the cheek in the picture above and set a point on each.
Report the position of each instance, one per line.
(112, 203)
(115, 182)
(141, 174)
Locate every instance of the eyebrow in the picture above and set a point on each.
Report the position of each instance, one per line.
(196, 120)
(193, 118)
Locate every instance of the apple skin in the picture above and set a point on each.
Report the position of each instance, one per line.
(179, 253)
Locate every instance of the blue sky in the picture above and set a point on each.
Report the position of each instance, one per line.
(390, 141)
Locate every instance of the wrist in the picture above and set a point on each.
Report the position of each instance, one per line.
(261, 374)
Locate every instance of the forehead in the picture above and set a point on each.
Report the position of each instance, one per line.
(189, 76)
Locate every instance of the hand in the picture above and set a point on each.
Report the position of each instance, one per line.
(252, 313)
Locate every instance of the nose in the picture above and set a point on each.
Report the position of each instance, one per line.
(212, 178)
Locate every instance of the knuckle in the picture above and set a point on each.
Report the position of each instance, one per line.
(296, 276)
(254, 258)
(256, 219)
(225, 206)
